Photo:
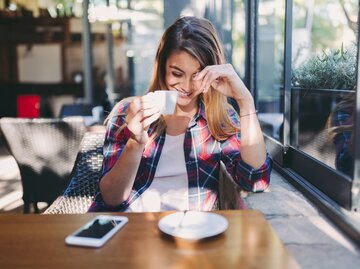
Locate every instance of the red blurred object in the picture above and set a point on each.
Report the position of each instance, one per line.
(28, 106)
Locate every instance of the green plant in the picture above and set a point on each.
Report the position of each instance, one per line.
(334, 69)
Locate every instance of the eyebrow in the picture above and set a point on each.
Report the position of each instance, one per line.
(177, 68)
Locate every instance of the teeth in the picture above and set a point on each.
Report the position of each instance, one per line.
(184, 93)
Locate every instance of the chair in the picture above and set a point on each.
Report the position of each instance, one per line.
(45, 151)
(90, 113)
(76, 110)
(229, 191)
(85, 176)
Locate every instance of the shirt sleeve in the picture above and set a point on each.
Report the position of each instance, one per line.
(249, 178)
(114, 144)
(115, 139)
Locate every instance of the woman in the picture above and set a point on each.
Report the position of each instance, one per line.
(341, 128)
(156, 162)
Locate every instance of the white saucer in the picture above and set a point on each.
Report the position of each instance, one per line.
(193, 225)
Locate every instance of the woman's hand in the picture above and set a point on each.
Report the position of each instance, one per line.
(140, 114)
(224, 79)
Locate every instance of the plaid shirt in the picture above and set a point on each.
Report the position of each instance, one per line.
(202, 157)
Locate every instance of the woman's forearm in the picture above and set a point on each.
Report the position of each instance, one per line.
(116, 185)
(252, 148)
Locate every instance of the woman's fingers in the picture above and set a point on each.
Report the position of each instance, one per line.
(144, 103)
(210, 79)
(147, 121)
(147, 99)
(221, 77)
(134, 124)
(150, 111)
(141, 113)
(134, 107)
(208, 76)
(141, 103)
(201, 74)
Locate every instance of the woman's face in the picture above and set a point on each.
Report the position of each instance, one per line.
(181, 67)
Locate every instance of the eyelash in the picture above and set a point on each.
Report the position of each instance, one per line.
(175, 74)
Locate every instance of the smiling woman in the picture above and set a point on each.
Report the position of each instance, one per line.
(178, 156)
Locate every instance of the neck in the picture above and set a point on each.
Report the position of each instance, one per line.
(178, 122)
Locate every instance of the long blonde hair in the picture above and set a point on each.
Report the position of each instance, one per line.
(199, 38)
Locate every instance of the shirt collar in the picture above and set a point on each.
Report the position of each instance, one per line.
(199, 113)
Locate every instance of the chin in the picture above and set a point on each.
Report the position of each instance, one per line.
(187, 103)
(184, 100)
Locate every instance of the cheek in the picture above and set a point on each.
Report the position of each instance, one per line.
(171, 80)
(197, 84)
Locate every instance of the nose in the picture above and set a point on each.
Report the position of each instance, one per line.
(187, 85)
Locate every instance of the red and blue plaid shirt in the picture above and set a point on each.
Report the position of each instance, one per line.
(202, 158)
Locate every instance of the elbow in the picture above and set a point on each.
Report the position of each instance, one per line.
(259, 179)
(261, 185)
(256, 162)
(256, 186)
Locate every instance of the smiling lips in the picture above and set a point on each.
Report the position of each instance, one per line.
(182, 93)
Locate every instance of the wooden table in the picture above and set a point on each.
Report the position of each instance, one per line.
(37, 241)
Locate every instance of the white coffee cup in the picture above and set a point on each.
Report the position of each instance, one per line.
(166, 100)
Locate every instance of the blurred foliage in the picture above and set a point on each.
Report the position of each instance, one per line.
(238, 37)
(64, 7)
(334, 69)
(326, 31)
(323, 33)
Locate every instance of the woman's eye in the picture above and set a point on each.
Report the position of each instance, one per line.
(176, 74)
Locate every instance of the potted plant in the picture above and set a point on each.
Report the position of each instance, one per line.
(320, 82)
(334, 69)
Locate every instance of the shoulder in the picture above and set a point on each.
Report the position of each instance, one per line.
(342, 117)
(115, 121)
(122, 105)
(119, 110)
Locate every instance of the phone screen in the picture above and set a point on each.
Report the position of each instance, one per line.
(98, 228)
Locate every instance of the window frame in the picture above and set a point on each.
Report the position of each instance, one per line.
(317, 181)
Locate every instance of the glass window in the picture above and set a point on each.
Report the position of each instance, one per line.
(238, 37)
(324, 79)
(145, 30)
(270, 59)
(136, 28)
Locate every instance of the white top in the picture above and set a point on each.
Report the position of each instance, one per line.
(169, 189)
